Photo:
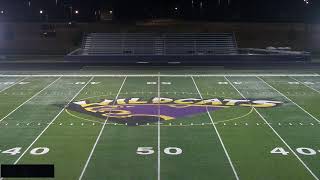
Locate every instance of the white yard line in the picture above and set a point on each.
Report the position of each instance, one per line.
(100, 133)
(305, 84)
(51, 122)
(29, 99)
(159, 151)
(217, 132)
(275, 132)
(290, 100)
(156, 75)
(13, 84)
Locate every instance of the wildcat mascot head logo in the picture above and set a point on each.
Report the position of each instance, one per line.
(136, 110)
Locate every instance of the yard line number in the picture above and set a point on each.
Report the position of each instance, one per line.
(83, 83)
(149, 150)
(35, 151)
(302, 150)
(11, 83)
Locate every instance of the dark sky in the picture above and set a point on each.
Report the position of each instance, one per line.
(236, 10)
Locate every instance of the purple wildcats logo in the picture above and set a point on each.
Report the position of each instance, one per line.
(135, 110)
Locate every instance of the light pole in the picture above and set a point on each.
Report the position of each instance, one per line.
(71, 12)
(41, 14)
(307, 24)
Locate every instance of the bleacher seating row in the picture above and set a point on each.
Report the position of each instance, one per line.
(175, 48)
(159, 44)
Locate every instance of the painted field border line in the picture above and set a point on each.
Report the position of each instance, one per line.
(52, 121)
(289, 100)
(30, 99)
(159, 130)
(305, 84)
(156, 75)
(100, 133)
(276, 133)
(217, 132)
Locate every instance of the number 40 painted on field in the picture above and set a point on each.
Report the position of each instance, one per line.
(168, 150)
(302, 150)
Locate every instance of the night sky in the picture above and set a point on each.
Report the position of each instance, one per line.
(213, 10)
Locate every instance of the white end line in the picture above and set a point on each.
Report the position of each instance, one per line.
(162, 75)
(51, 122)
(283, 141)
(289, 100)
(100, 133)
(159, 151)
(305, 84)
(217, 132)
(29, 99)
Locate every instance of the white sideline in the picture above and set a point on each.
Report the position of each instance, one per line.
(217, 132)
(162, 75)
(159, 151)
(100, 133)
(52, 121)
(290, 100)
(301, 161)
(305, 84)
(29, 99)
(13, 84)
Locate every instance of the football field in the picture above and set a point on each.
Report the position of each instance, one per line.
(163, 127)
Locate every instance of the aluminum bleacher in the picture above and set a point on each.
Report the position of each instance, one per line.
(172, 48)
(143, 43)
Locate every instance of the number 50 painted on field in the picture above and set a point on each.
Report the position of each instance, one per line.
(168, 150)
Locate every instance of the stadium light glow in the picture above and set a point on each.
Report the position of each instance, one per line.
(76, 12)
(41, 11)
(2, 11)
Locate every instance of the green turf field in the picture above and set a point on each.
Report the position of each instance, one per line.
(163, 127)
